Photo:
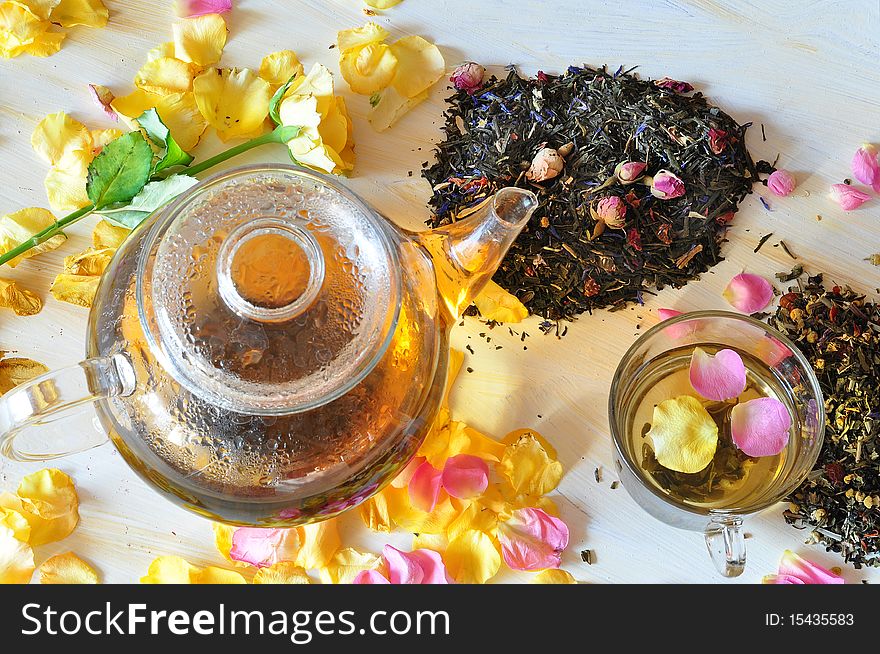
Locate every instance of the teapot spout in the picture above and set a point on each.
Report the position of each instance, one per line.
(468, 252)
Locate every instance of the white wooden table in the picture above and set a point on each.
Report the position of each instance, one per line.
(807, 71)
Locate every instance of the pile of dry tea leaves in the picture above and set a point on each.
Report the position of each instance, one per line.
(839, 332)
(567, 261)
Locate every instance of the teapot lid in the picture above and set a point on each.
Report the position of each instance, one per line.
(269, 289)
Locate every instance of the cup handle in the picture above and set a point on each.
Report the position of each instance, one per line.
(727, 545)
(55, 394)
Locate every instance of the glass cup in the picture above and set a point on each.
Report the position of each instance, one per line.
(792, 378)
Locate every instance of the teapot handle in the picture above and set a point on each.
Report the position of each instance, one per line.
(54, 395)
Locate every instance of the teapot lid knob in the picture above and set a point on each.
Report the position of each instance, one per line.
(269, 290)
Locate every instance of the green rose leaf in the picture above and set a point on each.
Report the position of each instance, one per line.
(120, 171)
(276, 100)
(152, 196)
(158, 133)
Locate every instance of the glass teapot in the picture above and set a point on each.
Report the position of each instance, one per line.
(267, 349)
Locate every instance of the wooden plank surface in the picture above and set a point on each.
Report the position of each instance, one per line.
(806, 70)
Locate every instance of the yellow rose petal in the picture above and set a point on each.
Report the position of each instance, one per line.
(90, 262)
(16, 559)
(457, 438)
(16, 370)
(169, 570)
(376, 513)
(347, 563)
(333, 128)
(162, 50)
(382, 4)
(318, 83)
(200, 39)
(419, 65)
(20, 300)
(683, 434)
(283, 572)
(19, 27)
(67, 568)
(20, 225)
(234, 101)
(368, 69)
(50, 504)
(101, 137)
(472, 558)
(278, 67)
(388, 106)
(414, 520)
(12, 519)
(165, 75)
(553, 576)
(360, 36)
(528, 468)
(178, 111)
(494, 303)
(435, 542)
(516, 434)
(66, 186)
(75, 289)
(58, 137)
(108, 235)
(45, 44)
(91, 13)
(39, 8)
(320, 541)
(474, 516)
(215, 575)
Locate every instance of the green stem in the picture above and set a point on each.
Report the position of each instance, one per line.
(43, 236)
(281, 134)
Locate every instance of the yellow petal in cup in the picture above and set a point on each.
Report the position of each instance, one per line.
(683, 434)
(67, 568)
(20, 300)
(494, 303)
(20, 225)
(234, 101)
(472, 558)
(278, 67)
(283, 572)
(16, 559)
(360, 36)
(419, 65)
(200, 39)
(165, 75)
(50, 504)
(368, 69)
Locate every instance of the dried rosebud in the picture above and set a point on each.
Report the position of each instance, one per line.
(847, 197)
(865, 166)
(781, 182)
(547, 164)
(628, 172)
(468, 77)
(673, 85)
(718, 140)
(667, 185)
(612, 211)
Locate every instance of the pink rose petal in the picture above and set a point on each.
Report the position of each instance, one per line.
(847, 197)
(865, 166)
(679, 330)
(760, 427)
(748, 293)
(532, 540)
(366, 577)
(417, 567)
(263, 547)
(403, 477)
(781, 182)
(191, 8)
(424, 487)
(465, 476)
(720, 377)
(102, 97)
(793, 566)
(781, 579)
